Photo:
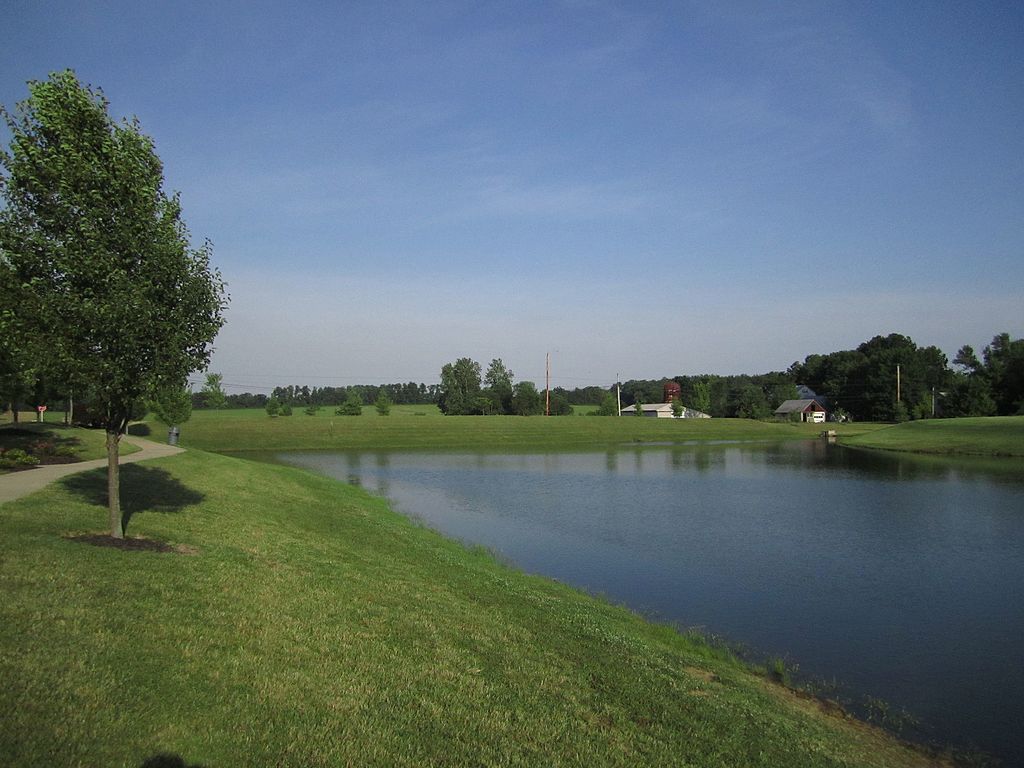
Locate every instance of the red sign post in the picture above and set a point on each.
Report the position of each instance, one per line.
(42, 410)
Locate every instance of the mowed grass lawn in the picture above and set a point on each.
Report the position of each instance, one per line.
(424, 428)
(303, 623)
(989, 436)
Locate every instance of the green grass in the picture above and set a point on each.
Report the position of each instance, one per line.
(312, 626)
(991, 436)
(252, 429)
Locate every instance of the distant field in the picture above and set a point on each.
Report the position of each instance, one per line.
(990, 436)
(252, 429)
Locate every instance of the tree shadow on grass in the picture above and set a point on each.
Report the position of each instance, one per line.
(167, 761)
(143, 489)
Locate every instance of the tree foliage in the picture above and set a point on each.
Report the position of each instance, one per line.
(498, 383)
(172, 406)
(701, 396)
(863, 381)
(105, 279)
(526, 400)
(1004, 369)
(212, 393)
(460, 388)
(353, 405)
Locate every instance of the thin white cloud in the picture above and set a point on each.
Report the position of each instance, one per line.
(508, 196)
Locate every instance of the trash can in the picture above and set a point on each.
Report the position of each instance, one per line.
(172, 435)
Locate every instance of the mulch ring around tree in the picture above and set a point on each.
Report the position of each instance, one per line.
(131, 544)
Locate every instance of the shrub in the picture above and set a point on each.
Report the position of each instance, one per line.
(41, 448)
(353, 405)
(44, 447)
(900, 413)
(286, 409)
(15, 458)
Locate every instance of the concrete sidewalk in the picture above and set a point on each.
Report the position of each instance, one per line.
(14, 485)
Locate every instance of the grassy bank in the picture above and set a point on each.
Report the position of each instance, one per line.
(302, 623)
(240, 430)
(991, 436)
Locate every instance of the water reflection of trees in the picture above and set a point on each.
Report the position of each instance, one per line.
(699, 458)
(911, 467)
(820, 454)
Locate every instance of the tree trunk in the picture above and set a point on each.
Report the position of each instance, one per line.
(114, 484)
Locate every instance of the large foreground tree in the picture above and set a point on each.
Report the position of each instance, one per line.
(106, 283)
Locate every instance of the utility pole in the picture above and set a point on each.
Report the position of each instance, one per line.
(897, 382)
(547, 385)
(618, 394)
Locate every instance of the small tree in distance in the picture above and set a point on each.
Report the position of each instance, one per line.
(353, 405)
(172, 406)
(702, 396)
(460, 388)
(609, 406)
(383, 403)
(526, 400)
(213, 391)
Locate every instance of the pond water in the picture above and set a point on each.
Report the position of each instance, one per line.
(894, 577)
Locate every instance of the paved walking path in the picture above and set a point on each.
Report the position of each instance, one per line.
(14, 485)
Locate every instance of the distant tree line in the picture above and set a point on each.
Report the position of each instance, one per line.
(890, 378)
(410, 393)
(858, 383)
(464, 392)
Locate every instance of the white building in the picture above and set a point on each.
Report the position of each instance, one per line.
(663, 411)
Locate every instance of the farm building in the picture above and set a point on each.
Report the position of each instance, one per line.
(663, 411)
(808, 410)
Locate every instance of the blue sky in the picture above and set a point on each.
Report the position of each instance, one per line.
(640, 189)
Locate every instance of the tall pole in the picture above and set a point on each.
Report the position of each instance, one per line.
(897, 382)
(547, 385)
(618, 394)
